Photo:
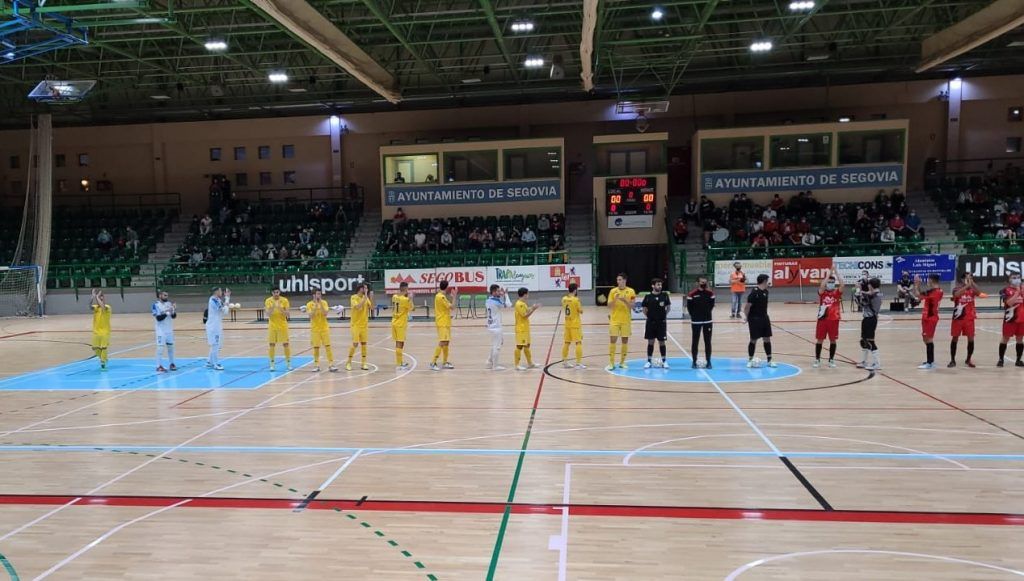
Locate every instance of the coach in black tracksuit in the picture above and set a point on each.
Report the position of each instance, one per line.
(656, 306)
(699, 304)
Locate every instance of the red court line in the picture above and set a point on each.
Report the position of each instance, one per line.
(191, 398)
(18, 334)
(619, 408)
(595, 510)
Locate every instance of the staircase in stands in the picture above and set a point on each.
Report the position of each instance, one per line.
(579, 232)
(934, 223)
(174, 236)
(364, 241)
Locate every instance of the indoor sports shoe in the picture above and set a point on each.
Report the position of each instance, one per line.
(316, 370)
(580, 366)
(403, 367)
(832, 363)
(772, 364)
(288, 366)
(693, 365)
(999, 363)
(862, 365)
(521, 368)
(707, 365)
(173, 367)
(623, 366)
(533, 366)
(926, 365)
(750, 364)
(610, 368)
(103, 366)
(648, 365)
(951, 364)
(160, 369)
(448, 365)
(1019, 363)
(499, 368)
(365, 367)
(568, 365)
(348, 366)
(273, 366)
(664, 364)
(209, 365)
(218, 367)
(434, 367)
(816, 364)
(970, 364)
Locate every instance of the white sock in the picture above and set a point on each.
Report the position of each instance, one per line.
(876, 358)
(864, 358)
(159, 355)
(170, 353)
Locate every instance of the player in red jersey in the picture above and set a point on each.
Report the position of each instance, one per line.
(931, 297)
(830, 305)
(964, 314)
(1012, 298)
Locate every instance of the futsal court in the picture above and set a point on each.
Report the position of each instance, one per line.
(552, 473)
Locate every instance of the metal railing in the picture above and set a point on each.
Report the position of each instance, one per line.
(112, 201)
(342, 193)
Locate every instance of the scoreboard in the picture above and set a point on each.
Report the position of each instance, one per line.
(633, 196)
(631, 202)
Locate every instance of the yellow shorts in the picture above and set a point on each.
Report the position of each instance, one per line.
(359, 334)
(573, 334)
(275, 336)
(101, 340)
(444, 333)
(398, 332)
(522, 337)
(620, 330)
(320, 337)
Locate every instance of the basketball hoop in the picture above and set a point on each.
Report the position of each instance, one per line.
(58, 92)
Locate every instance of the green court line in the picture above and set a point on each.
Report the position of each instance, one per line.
(493, 567)
(9, 568)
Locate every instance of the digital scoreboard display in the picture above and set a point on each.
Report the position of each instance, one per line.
(630, 196)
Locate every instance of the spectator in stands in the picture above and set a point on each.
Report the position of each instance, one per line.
(256, 253)
(1006, 233)
(887, 235)
(283, 254)
(558, 223)
(679, 230)
(803, 226)
(306, 236)
(340, 217)
(196, 258)
(735, 207)
(691, 211)
(777, 203)
(746, 204)
(271, 252)
(235, 237)
(446, 240)
(795, 237)
(966, 198)
(556, 249)
(896, 223)
(500, 238)
(707, 209)
(420, 239)
(769, 213)
(881, 199)
(435, 226)
(543, 223)
(225, 213)
(905, 290)
(1017, 205)
(1013, 220)
(474, 239)
(104, 240)
(913, 225)
(487, 239)
(529, 237)
(398, 178)
(258, 235)
(760, 241)
(322, 252)
(193, 228)
(756, 226)
(205, 225)
(775, 238)
(771, 226)
(433, 241)
(131, 239)
(398, 220)
(430, 179)
(809, 239)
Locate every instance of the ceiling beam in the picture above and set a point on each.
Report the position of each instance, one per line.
(590, 8)
(984, 25)
(303, 21)
(499, 38)
(403, 40)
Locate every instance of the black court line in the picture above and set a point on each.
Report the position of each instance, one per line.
(807, 483)
(305, 501)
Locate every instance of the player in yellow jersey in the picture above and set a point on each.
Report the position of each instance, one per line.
(276, 307)
(573, 309)
(523, 313)
(401, 306)
(444, 304)
(620, 320)
(319, 330)
(361, 303)
(101, 312)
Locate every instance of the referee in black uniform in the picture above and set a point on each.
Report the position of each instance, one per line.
(656, 307)
(699, 303)
(760, 326)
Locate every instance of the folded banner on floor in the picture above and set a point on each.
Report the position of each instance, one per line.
(543, 277)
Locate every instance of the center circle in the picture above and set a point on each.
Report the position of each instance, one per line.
(723, 370)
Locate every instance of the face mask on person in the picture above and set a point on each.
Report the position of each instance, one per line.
(1015, 281)
(830, 286)
(703, 285)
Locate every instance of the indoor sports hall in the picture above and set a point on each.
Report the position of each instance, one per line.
(581, 290)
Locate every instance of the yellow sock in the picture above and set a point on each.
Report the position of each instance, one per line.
(625, 350)
(437, 353)
(330, 355)
(565, 351)
(529, 357)
(96, 352)
(316, 356)
(288, 353)
(398, 355)
(611, 353)
(579, 352)
(351, 352)
(517, 355)
(362, 351)
(103, 355)
(270, 352)
(444, 351)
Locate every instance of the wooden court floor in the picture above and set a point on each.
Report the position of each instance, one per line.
(549, 473)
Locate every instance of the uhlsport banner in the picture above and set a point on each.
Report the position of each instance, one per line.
(480, 193)
(991, 267)
(831, 178)
(330, 283)
(544, 277)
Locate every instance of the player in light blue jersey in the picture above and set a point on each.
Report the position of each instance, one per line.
(164, 312)
(218, 306)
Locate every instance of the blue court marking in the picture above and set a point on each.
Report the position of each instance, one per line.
(723, 370)
(124, 374)
(507, 452)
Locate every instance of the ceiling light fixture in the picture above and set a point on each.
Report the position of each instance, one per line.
(472, 81)
(277, 77)
(761, 46)
(160, 97)
(801, 6)
(215, 45)
(522, 26)
(657, 13)
(533, 62)
(844, 119)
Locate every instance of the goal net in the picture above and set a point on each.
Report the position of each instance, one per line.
(20, 291)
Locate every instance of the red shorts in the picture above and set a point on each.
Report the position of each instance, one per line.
(962, 327)
(928, 327)
(1013, 329)
(827, 328)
